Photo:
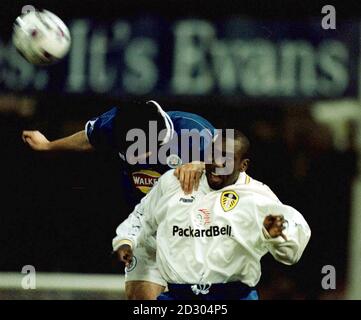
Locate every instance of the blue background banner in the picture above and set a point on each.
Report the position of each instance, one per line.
(196, 57)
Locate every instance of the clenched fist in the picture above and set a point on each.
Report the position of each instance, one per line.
(36, 140)
(275, 224)
(125, 254)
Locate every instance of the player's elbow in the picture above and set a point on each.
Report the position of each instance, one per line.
(288, 255)
(291, 260)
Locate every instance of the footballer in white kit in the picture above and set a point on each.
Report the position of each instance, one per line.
(107, 133)
(209, 244)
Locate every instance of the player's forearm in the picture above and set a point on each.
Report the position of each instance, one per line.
(132, 235)
(140, 223)
(289, 251)
(75, 142)
(133, 230)
(128, 230)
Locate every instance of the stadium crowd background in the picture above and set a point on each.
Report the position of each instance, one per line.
(60, 211)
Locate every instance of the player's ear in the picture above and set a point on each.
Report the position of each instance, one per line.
(244, 164)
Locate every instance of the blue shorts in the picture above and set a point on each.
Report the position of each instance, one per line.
(219, 291)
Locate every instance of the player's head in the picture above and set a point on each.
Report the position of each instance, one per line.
(141, 116)
(233, 153)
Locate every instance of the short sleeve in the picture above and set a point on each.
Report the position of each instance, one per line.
(99, 130)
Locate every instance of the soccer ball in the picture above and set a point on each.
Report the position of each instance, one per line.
(41, 37)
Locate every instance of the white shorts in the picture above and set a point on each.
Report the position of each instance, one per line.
(144, 267)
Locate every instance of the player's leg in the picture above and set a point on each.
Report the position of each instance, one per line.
(142, 290)
(142, 278)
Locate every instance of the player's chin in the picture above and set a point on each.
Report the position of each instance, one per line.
(214, 182)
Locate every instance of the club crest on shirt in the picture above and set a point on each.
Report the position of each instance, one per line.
(144, 180)
(173, 161)
(229, 200)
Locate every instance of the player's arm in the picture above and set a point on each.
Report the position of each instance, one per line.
(98, 134)
(285, 235)
(76, 142)
(141, 225)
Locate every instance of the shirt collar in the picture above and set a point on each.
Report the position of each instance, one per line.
(242, 178)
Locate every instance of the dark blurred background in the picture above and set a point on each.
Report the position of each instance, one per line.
(292, 87)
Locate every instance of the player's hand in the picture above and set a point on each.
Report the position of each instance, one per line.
(125, 254)
(36, 140)
(189, 175)
(274, 225)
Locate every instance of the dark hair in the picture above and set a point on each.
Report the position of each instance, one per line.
(245, 144)
(135, 114)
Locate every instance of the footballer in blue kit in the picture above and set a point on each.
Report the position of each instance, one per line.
(160, 141)
(138, 178)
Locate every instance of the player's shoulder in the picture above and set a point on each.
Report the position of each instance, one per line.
(99, 129)
(104, 120)
(258, 183)
(168, 181)
(260, 190)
